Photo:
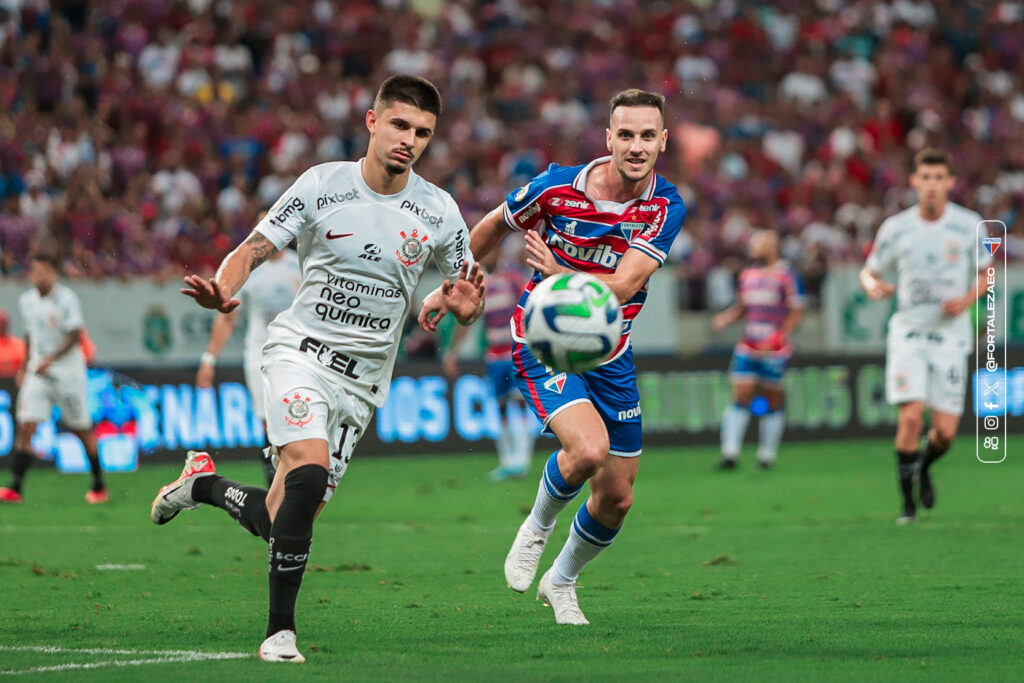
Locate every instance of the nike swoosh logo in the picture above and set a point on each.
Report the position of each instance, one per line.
(289, 569)
(338, 237)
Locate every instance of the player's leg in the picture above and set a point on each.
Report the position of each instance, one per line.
(947, 384)
(21, 460)
(772, 424)
(560, 402)
(35, 405)
(512, 461)
(743, 373)
(293, 502)
(908, 434)
(597, 522)
(523, 429)
(906, 385)
(71, 394)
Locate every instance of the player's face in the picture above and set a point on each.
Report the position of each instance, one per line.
(764, 246)
(42, 276)
(398, 135)
(932, 183)
(635, 138)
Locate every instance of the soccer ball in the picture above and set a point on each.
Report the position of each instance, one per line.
(572, 322)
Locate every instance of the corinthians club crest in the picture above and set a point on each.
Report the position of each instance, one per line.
(412, 249)
(299, 412)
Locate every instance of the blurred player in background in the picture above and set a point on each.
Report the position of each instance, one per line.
(366, 231)
(615, 219)
(267, 292)
(771, 299)
(55, 375)
(931, 249)
(12, 352)
(502, 289)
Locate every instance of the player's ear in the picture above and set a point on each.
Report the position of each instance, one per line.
(608, 138)
(371, 120)
(664, 139)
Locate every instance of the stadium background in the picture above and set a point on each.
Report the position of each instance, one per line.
(140, 140)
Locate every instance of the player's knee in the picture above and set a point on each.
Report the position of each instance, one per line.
(910, 422)
(590, 455)
(942, 438)
(305, 486)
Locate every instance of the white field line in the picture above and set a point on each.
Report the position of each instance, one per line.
(120, 567)
(155, 657)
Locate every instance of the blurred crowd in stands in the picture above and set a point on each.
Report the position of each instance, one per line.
(144, 137)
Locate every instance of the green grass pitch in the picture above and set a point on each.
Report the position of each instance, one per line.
(799, 573)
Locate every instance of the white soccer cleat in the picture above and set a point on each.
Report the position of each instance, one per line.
(177, 495)
(523, 558)
(280, 647)
(562, 599)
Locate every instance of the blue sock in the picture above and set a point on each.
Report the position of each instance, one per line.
(552, 496)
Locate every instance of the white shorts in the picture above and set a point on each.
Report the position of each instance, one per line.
(935, 375)
(64, 387)
(253, 381)
(305, 403)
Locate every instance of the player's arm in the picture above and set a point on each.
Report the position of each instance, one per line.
(728, 316)
(488, 233)
(957, 305)
(223, 326)
(634, 270)
(872, 283)
(70, 341)
(19, 376)
(218, 292)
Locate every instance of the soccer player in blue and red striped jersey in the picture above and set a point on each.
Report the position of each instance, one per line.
(771, 299)
(615, 219)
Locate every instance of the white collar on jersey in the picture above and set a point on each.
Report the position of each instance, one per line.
(581, 183)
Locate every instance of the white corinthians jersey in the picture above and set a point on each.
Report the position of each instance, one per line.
(934, 261)
(362, 256)
(269, 290)
(48, 320)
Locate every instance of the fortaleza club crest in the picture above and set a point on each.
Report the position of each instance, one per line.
(556, 383)
(299, 412)
(412, 249)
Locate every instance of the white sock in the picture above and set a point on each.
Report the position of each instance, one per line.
(522, 438)
(553, 495)
(587, 539)
(734, 426)
(770, 430)
(505, 445)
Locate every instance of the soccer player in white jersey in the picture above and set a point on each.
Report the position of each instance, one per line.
(365, 232)
(55, 375)
(931, 249)
(268, 291)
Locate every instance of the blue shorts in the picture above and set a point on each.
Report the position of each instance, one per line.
(611, 389)
(767, 370)
(501, 374)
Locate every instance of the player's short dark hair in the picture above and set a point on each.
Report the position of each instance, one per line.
(45, 257)
(419, 92)
(634, 97)
(930, 156)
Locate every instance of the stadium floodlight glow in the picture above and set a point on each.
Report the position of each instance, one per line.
(990, 388)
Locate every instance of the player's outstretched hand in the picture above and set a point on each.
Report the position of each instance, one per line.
(432, 311)
(204, 376)
(209, 294)
(539, 255)
(464, 296)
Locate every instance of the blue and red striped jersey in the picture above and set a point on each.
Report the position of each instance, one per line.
(591, 235)
(768, 294)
